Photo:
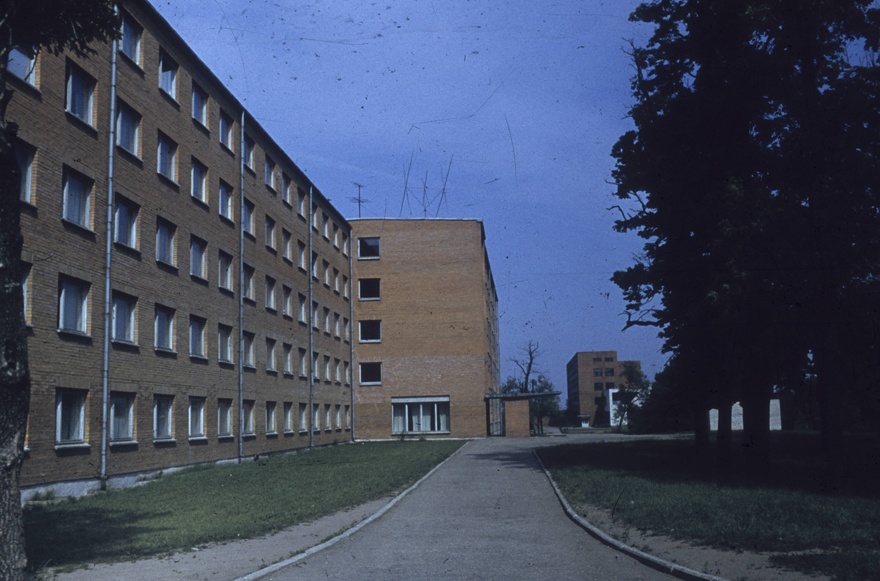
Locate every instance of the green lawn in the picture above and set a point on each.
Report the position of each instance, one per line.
(658, 485)
(220, 503)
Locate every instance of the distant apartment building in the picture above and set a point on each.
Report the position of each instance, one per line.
(594, 378)
(426, 329)
(187, 288)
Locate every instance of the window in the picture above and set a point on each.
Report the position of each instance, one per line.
(123, 318)
(163, 425)
(25, 291)
(270, 355)
(325, 269)
(200, 105)
(609, 371)
(344, 286)
(315, 322)
(287, 358)
(302, 309)
(368, 248)
(168, 75)
(316, 370)
(371, 373)
(288, 417)
(199, 179)
(369, 289)
(196, 417)
(130, 43)
(224, 417)
(248, 217)
(165, 234)
(347, 328)
(70, 410)
(125, 223)
(337, 377)
(597, 372)
(336, 280)
(248, 349)
(347, 372)
(326, 320)
(370, 331)
(196, 337)
(336, 324)
(285, 244)
(335, 236)
(224, 343)
(22, 66)
(338, 415)
(419, 415)
(303, 363)
(286, 300)
(77, 198)
(225, 200)
(270, 417)
(270, 232)
(249, 282)
(301, 255)
(249, 152)
(327, 424)
(226, 124)
(224, 271)
(121, 417)
(325, 226)
(24, 154)
(197, 264)
(347, 413)
(301, 202)
(303, 418)
(73, 304)
(598, 386)
(609, 359)
(345, 244)
(128, 123)
(166, 157)
(270, 172)
(164, 328)
(316, 417)
(80, 94)
(285, 188)
(315, 216)
(248, 417)
(315, 265)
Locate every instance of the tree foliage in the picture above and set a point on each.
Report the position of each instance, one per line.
(29, 26)
(752, 175)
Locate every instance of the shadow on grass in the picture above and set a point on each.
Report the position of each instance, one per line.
(796, 463)
(77, 533)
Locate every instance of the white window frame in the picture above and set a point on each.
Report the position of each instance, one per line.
(362, 297)
(287, 358)
(125, 222)
(226, 198)
(198, 266)
(128, 128)
(248, 217)
(367, 245)
(286, 238)
(225, 278)
(77, 206)
(361, 338)
(286, 300)
(166, 235)
(226, 126)
(303, 363)
(270, 232)
(303, 313)
(403, 409)
(270, 172)
(166, 157)
(249, 282)
(303, 417)
(200, 105)
(224, 418)
(73, 305)
(163, 418)
(168, 69)
(163, 327)
(249, 147)
(196, 418)
(248, 339)
(80, 101)
(271, 345)
(285, 188)
(361, 372)
(121, 407)
(124, 318)
(197, 337)
(199, 181)
(271, 425)
(130, 41)
(224, 343)
(70, 417)
(247, 416)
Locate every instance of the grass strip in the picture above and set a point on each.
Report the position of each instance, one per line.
(658, 486)
(222, 503)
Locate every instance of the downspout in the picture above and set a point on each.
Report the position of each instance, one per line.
(312, 266)
(105, 364)
(241, 290)
(351, 332)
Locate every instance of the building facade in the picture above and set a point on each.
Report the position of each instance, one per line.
(426, 329)
(187, 288)
(594, 377)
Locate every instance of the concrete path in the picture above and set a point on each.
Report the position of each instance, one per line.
(488, 513)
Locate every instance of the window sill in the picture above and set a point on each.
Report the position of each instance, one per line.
(248, 367)
(225, 147)
(82, 123)
(289, 433)
(168, 181)
(75, 334)
(126, 249)
(200, 125)
(125, 344)
(161, 441)
(123, 443)
(227, 219)
(223, 437)
(249, 436)
(199, 279)
(271, 434)
(287, 316)
(166, 265)
(200, 202)
(169, 97)
(198, 357)
(131, 156)
(272, 310)
(272, 372)
(132, 63)
(303, 432)
(226, 291)
(250, 301)
(73, 446)
(288, 374)
(193, 439)
(370, 341)
(226, 363)
(271, 249)
(368, 257)
(80, 227)
(370, 384)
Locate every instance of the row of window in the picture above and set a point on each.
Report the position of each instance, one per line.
(599, 360)
(599, 386)
(70, 416)
(599, 371)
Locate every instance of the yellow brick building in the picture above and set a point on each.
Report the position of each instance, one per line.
(187, 289)
(594, 377)
(426, 329)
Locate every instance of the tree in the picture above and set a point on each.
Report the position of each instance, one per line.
(27, 27)
(752, 168)
(633, 392)
(539, 407)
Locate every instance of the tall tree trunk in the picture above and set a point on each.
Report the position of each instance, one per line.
(14, 375)
(756, 429)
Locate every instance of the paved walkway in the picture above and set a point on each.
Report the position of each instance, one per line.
(488, 513)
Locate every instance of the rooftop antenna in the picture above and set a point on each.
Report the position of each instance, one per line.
(359, 200)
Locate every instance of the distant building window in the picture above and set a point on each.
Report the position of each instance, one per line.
(287, 359)
(270, 417)
(166, 157)
(270, 293)
(196, 417)
(70, 406)
(286, 301)
(597, 372)
(165, 235)
(224, 270)
(249, 282)
(197, 264)
(196, 336)
(248, 350)
(303, 313)
(24, 154)
(225, 200)
(130, 43)
(270, 355)
(123, 318)
(224, 417)
(369, 289)
(248, 217)
(288, 417)
(80, 94)
(163, 424)
(285, 188)
(370, 331)
(168, 74)
(302, 255)
(224, 343)
(285, 244)
(270, 232)
(301, 202)
(368, 248)
(609, 371)
(198, 186)
(248, 417)
(164, 328)
(419, 415)
(371, 373)
(200, 105)
(128, 123)
(125, 223)
(226, 124)
(270, 172)
(73, 305)
(249, 152)
(77, 199)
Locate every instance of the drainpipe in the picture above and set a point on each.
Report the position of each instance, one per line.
(312, 266)
(241, 290)
(105, 364)
(350, 332)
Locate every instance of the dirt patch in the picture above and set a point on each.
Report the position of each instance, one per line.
(737, 563)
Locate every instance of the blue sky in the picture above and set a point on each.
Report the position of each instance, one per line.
(515, 104)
